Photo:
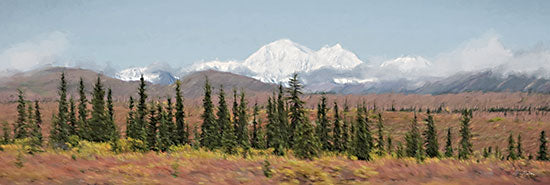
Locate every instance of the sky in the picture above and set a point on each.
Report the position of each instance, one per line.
(123, 34)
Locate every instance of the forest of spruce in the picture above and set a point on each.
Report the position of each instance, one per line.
(237, 140)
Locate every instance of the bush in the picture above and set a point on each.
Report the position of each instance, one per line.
(128, 145)
(28, 145)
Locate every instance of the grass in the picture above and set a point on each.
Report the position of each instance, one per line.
(93, 163)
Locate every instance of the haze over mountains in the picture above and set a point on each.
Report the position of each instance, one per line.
(484, 65)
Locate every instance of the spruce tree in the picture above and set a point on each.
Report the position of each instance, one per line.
(274, 133)
(511, 148)
(82, 112)
(72, 118)
(281, 107)
(170, 122)
(227, 131)
(296, 109)
(242, 130)
(430, 138)
(111, 125)
(20, 131)
(182, 133)
(361, 146)
(346, 130)
(164, 134)
(338, 135)
(98, 123)
(6, 136)
(30, 119)
(59, 133)
(380, 140)
(412, 139)
(449, 145)
(306, 144)
(152, 128)
(323, 126)
(141, 111)
(519, 148)
(255, 127)
(465, 147)
(542, 154)
(370, 138)
(235, 111)
(210, 131)
(37, 128)
(131, 131)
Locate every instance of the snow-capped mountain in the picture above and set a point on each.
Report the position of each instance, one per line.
(155, 76)
(276, 61)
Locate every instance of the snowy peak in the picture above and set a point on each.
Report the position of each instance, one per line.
(156, 76)
(407, 64)
(276, 61)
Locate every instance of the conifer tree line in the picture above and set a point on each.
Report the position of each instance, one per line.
(288, 129)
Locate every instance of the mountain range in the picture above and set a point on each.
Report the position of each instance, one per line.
(337, 70)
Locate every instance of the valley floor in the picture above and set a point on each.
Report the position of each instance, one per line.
(95, 164)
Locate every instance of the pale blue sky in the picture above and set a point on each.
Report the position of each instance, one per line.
(137, 33)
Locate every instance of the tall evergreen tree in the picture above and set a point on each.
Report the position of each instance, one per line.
(141, 111)
(170, 122)
(281, 107)
(152, 127)
(164, 134)
(542, 154)
(306, 144)
(131, 130)
(98, 123)
(511, 148)
(20, 131)
(449, 145)
(30, 119)
(227, 131)
(370, 138)
(465, 147)
(181, 128)
(6, 136)
(412, 139)
(83, 130)
(323, 126)
(274, 133)
(242, 130)
(210, 136)
(72, 118)
(346, 129)
(380, 140)
(235, 111)
(59, 133)
(338, 135)
(361, 146)
(111, 125)
(296, 109)
(37, 128)
(255, 127)
(430, 138)
(519, 148)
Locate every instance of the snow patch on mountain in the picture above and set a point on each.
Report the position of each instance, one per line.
(153, 73)
(353, 80)
(276, 61)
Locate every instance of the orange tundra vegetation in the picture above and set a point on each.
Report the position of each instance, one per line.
(95, 163)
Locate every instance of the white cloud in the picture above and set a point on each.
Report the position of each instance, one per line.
(488, 52)
(35, 52)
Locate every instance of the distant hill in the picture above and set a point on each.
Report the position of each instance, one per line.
(486, 81)
(43, 83)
